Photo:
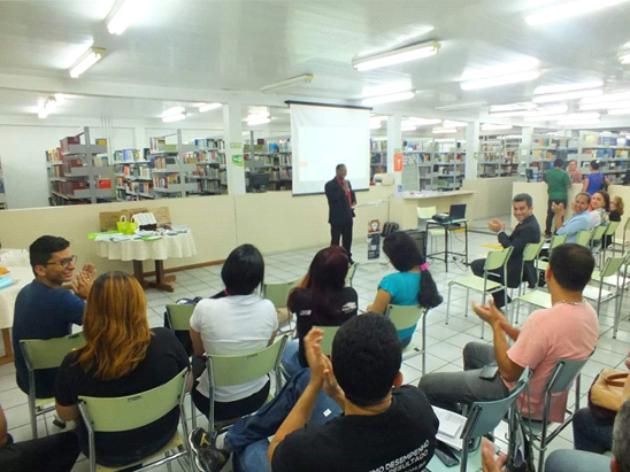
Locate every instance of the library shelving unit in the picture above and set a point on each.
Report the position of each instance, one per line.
(79, 172)
(547, 148)
(3, 200)
(610, 150)
(208, 157)
(134, 180)
(434, 165)
(268, 166)
(378, 157)
(170, 171)
(498, 156)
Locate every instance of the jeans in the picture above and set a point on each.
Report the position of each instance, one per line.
(591, 434)
(570, 460)
(291, 358)
(447, 390)
(54, 453)
(247, 438)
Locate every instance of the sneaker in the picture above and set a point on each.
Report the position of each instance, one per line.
(198, 439)
(207, 457)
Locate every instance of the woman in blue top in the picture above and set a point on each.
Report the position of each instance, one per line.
(595, 180)
(411, 285)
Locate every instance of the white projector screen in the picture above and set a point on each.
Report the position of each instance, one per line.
(324, 136)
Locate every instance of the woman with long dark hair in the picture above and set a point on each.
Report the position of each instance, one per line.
(411, 285)
(122, 356)
(322, 300)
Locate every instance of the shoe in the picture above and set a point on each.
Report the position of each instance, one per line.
(198, 439)
(207, 457)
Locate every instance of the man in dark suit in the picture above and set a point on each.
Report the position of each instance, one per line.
(341, 201)
(526, 231)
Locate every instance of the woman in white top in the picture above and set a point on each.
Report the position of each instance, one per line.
(600, 206)
(241, 322)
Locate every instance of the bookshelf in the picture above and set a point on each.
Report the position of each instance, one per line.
(610, 150)
(209, 174)
(132, 172)
(434, 165)
(170, 171)
(268, 165)
(79, 171)
(498, 156)
(546, 148)
(378, 157)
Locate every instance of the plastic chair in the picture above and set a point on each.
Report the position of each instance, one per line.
(564, 373)
(611, 229)
(483, 418)
(612, 269)
(327, 341)
(494, 261)
(583, 238)
(120, 414)
(556, 240)
(278, 294)
(228, 370)
(406, 317)
(530, 254)
(45, 354)
(624, 242)
(424, 214)
(352, 270)
(624, 280)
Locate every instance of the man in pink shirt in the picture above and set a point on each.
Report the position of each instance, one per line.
(567, 330)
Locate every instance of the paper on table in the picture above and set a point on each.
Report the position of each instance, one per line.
(451, 426)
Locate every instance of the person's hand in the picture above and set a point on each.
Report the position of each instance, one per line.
(314, 357)
(490, 462)
(558, 208)
(495, 225)
(330, 385)
(89, 270)
(82, 284)
(489, 313)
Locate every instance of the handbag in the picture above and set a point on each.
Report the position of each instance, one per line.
(520, 457)
(606, 393)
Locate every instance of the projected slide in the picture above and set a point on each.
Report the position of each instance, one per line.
(324, 137)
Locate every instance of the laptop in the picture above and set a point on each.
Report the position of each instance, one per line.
(456, 213)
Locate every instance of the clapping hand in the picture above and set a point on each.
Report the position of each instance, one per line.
(321, 367)
(495, 225)
(490, 462)
(82, 283)
(489, 313)
(557, 208)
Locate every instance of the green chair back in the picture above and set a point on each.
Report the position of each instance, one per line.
(226, 370)
(563, 375)
(497, 259)
(598, 233)
(115, 414)
(404, 316)
(558, 240)
(612, 228)
(583, 238)
(49, 353)
(531, 251)
(179, 315)
(612, 266)
(329, 335)
(278, 294)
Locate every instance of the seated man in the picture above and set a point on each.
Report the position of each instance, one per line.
(567, 330)
(44, 309)
(526, 231)
(383, 424)
(581, 219)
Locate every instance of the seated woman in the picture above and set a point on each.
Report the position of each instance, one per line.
(600, 206)
(241, 322)
(322, 300)
(121, 356)
(411, 285)
(616, 212)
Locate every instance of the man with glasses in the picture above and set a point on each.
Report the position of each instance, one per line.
(45, 308)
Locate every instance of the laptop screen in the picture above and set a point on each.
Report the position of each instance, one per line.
(457, 212)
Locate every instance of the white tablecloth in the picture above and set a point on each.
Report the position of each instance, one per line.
(167, 247)
(22, 275)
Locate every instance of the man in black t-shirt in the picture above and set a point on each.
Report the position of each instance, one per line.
(384, 426)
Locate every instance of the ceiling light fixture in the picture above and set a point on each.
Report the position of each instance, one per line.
(87, 60)
(579, 118)
(619, 111)
(610, 97)
(624, 58)
(566, 10)
(407, 127)
(454, 124)
(501, 80)
(46, 107)
(173, 118)
(376, 122)
(397, 56)
(297, 80)
(495, 127)
(604, 105)
(538, 118)
(392, 97)
(176, 110)
(541, 89)
(424, 121)
(254, 120)
(123, 13)
(542, 111)
(442, 130)
(204, 107)
(385, 89)
(559, 97)
(512, 107)
(462, 106)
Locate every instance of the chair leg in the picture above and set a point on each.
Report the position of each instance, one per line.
(424, 343)
(193, 413)
(448, 302)
(466, 305)
(33, 416)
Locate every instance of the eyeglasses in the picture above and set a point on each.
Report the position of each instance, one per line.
(65, 262)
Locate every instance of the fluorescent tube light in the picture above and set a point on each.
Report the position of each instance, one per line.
(392, 97)
(376, 122)
(441, 130)
(204, 107)
(385, 89)
(297, 80)
(87, 60)
(258, 120)
(424, 121)
(123, 14)
(46, 107)
(566, 10)
(541, 89)
(174, 118)
(494, 127)
(609, 97)
(543, 111)
(605, 105)
(619, 111)
(462, 106)
(396, 56)
(177, 110)
(522, 65)
(579, 118)
(512, 107)
(559, 97)
(498, 81)
(538, 118)
(454, 124)
(625, 58)
(407, 127)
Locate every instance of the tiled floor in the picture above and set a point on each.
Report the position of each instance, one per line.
(445, 342)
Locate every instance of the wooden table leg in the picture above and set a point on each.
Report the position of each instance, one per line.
(161, 279)
(8, 349)
(138, 272)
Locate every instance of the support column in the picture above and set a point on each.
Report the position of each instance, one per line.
(527, 134)
(234, 163)
(472, 149)
(394, 145)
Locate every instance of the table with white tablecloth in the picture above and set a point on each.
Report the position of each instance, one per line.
(163, 247)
